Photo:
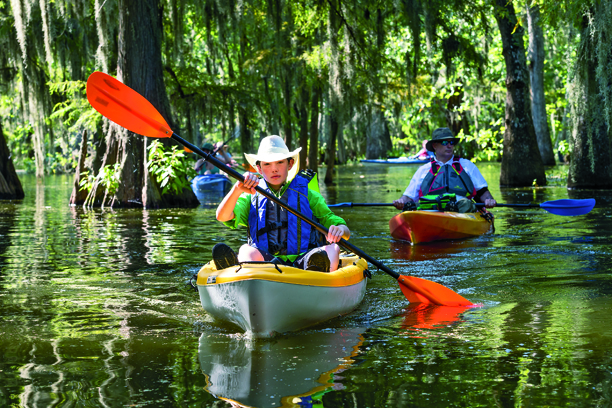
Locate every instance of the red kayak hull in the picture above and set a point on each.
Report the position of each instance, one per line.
(427, 226)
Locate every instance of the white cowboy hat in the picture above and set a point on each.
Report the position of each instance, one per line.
(273, 148)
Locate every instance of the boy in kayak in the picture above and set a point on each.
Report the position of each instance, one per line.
(447, 175)
(274, 234)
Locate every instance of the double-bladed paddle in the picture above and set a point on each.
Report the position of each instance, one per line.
(129, 109)
(564, 206)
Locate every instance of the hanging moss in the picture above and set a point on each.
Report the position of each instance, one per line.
(46, 28)
(591, 106)
(102, 52)
(21, 25)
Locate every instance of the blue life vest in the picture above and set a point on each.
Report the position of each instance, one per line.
(276, 231)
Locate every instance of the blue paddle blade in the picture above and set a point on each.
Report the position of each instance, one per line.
(569, 207)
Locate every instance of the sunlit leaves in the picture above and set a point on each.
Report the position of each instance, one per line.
(171, 169)
(75, 111)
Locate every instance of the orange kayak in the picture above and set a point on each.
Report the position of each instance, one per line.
(428, 226)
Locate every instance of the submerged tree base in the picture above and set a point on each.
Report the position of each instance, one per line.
(10, 186)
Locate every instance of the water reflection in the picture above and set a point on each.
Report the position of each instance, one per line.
(95, 311)
(7, 221)
(418, 317)
(287, 371)
(434, 250)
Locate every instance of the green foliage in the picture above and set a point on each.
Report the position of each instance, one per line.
(61, 163)
(564, 148)
(75, 111)
(20, 147)
(490, 142)
(556, 176)
(107, 177)
(172, 169)
(422, 62)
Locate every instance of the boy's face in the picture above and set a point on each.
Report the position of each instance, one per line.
(275, 173)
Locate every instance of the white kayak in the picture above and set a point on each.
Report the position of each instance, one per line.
(264, 299)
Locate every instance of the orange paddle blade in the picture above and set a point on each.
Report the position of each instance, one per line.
(188, 150)
(419, 290)
(248, 167)
(125, 106)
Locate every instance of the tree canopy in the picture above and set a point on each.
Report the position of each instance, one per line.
(343, 79)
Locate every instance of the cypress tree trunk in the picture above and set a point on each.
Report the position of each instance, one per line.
(79, 196)
(245, 135)
(591, 163)
(313, 146)
(272, 113)
(331, 149)
(536, 57)
(302, 113)
(139, 66)
(378, 136)
(341, 146)
(521, 161)
(457, 121)
(287, 128)
(335, 87)
(10, 186)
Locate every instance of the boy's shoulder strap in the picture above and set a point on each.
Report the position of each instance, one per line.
(311, 177)
(308, 174)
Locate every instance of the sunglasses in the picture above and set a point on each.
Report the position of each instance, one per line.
(447, 142)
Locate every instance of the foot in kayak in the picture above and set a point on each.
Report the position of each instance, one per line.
(319, 261)
(224, 256)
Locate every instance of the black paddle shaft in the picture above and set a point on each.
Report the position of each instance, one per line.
(344, 243)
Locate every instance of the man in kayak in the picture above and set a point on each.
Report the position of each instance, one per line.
(274, 234)
(423, 154)
(446, 175)
(204, 167)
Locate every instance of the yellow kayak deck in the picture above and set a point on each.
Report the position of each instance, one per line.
(351, 272)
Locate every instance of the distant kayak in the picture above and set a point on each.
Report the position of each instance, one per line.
(396, 160)
(427, 226)
(210, 188)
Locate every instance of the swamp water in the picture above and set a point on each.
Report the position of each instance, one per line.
(95, 310)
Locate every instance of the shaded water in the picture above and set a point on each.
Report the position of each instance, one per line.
(95, 310)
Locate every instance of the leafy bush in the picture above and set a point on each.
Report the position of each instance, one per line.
(490, 142)
(557, 176)
(172, 169)
(564, 148)
(75, 112)
(108, 177)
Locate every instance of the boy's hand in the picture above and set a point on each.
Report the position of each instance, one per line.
(334, 233)
(250, 182)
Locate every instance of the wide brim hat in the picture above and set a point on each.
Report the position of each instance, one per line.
(441, 134)
(208, 146)
(273, 148)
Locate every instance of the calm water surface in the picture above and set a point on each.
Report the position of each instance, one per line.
(95, 310)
